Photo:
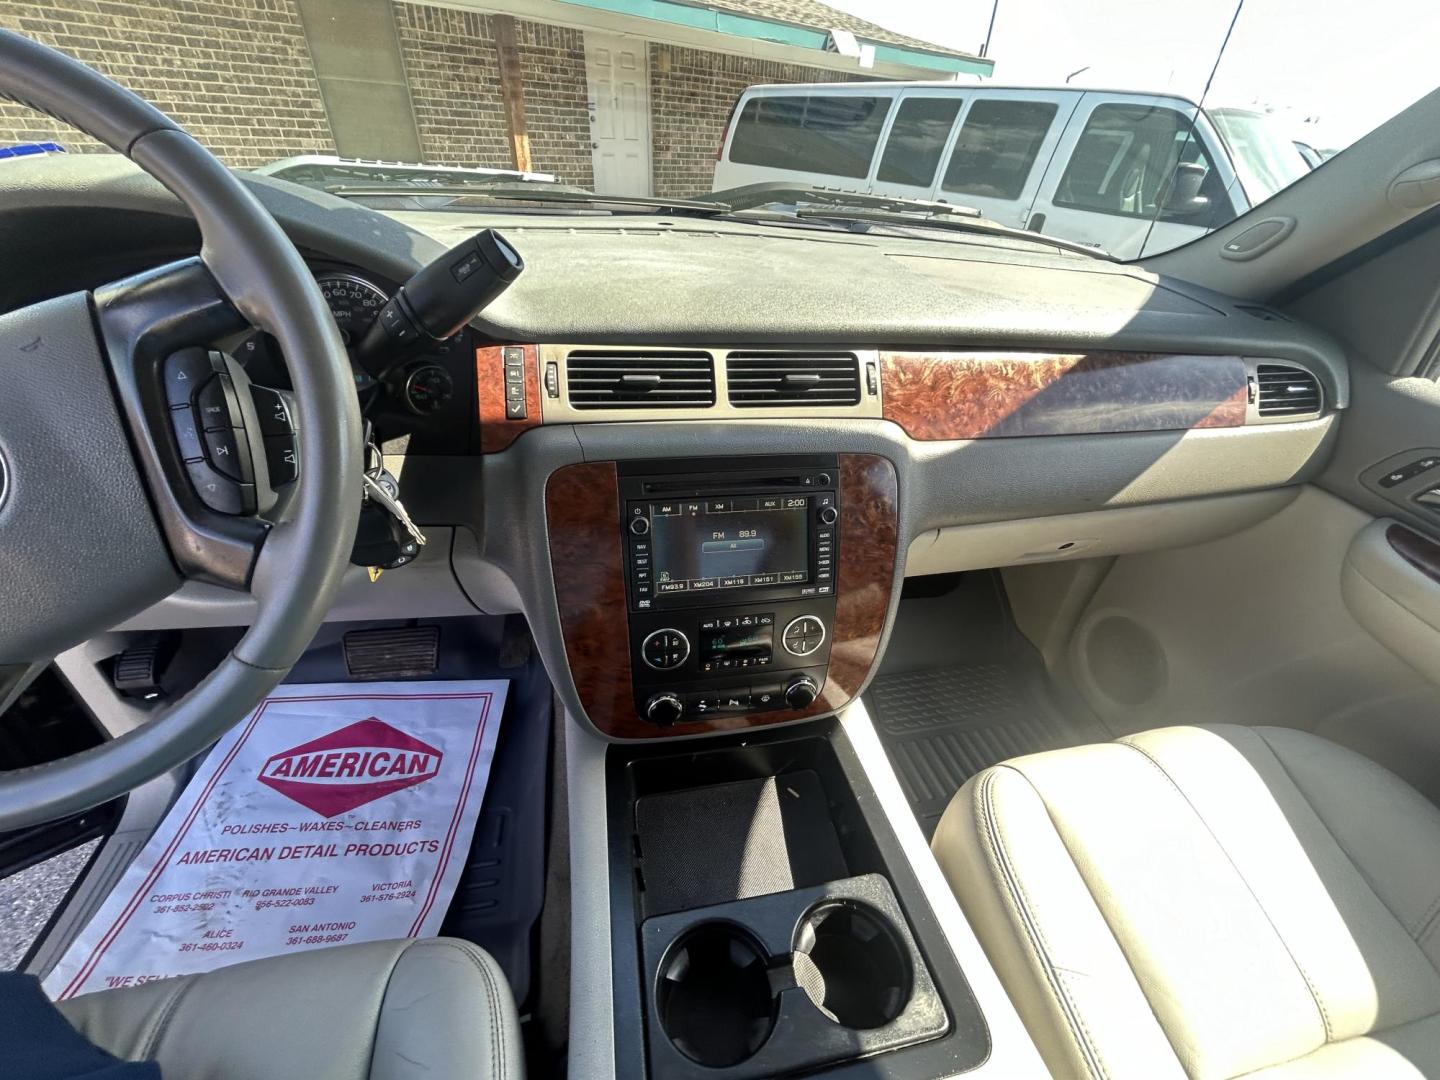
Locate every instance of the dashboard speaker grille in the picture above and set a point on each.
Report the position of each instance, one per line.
(650, 380)
(1286, 391)
(768, 380)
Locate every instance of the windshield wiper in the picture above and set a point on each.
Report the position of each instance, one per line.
(865, 209)
(536, 193)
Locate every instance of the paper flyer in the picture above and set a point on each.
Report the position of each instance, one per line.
(333, 814)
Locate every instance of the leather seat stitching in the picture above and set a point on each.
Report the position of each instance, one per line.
(1426, 922)
(152, 1044)
(1359, 870)
(1035, 936)
(1309, 983)
(493, 999)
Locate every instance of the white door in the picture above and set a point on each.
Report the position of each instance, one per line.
(1004, 143)
(618, 72)
(1108, 182)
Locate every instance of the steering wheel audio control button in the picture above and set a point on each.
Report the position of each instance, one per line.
(229, 451)
(220, 493)
(185, 372)
(273, 410)
(187, 435)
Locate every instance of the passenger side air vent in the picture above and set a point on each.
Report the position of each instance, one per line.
(769, 380)
(641, 380)
(1286, 391)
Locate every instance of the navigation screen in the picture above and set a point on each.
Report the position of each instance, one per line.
(730, 543)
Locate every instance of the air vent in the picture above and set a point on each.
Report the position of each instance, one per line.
(767, 380)
(1286, 391)
(649, 380)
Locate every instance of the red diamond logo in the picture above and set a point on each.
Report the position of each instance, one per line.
(351, 767)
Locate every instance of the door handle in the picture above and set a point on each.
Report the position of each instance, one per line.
(1036, 223)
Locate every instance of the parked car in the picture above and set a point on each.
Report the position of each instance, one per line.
(1129, 173)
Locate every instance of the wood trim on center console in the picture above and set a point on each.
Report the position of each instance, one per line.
(988, 395)
(582, 509)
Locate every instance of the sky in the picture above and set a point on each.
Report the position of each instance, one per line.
(1330, 70)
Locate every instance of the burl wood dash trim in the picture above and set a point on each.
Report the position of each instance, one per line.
(582, 504)
(990, 395)
(582, 514)
(497, 432)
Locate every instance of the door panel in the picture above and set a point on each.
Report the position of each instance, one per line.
(1391, 584)
(617, 71)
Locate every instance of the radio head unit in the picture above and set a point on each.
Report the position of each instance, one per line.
(730, 538)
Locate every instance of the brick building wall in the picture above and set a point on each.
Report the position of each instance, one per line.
(239, 75)
(692, 92)
(453, 70)
(236, 73)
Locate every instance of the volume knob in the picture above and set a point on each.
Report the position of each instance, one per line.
(664, 709)
(801, 692)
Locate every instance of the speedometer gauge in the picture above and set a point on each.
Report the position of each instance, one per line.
(354, 303)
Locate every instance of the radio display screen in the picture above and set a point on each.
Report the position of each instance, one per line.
(730, 543)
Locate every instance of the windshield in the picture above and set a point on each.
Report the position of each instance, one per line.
(1115, 127)
(1265, 158)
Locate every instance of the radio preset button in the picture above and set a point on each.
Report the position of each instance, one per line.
(665, 650)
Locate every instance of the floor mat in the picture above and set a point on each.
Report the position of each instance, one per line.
(335, 813)
(942, 724)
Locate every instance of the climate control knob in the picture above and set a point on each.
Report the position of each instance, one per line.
(801, 692)
(665, 650)
(664, 709)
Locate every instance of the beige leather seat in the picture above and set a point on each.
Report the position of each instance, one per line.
(389, 1010)
(1206, 903)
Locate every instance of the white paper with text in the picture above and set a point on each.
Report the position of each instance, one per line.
(333, 814)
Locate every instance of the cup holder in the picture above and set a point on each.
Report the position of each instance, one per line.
(852, 965)
(714, 996)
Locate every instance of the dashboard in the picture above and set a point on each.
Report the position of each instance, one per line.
(945, 401)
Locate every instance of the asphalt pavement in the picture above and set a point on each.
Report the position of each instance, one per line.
(29, 898)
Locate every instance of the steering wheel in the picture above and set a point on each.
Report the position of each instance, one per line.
(99, 516)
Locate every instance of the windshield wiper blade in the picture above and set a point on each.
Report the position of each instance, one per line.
(865, 208)
(542, 194)
(956, 224)
(755, 196)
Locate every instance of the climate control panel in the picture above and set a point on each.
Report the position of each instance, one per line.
(691, 664)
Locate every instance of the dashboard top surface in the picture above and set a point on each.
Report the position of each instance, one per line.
(598, 278)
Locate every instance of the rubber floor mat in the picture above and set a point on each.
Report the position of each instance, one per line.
(941, 726)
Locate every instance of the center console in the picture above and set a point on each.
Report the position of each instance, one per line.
(699, 595)
(731, 587)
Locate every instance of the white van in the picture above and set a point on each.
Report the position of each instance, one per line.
(1092, 166)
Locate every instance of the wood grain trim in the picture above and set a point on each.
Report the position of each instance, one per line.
(1419, 551)
(582, 515)
(582, 505)
(496, 432)
(990, 395)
